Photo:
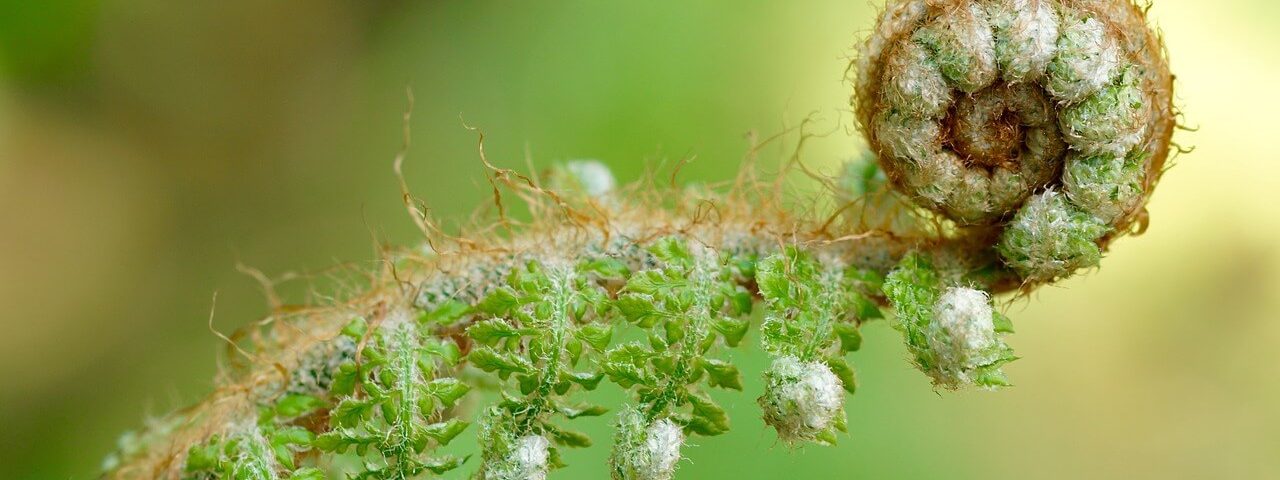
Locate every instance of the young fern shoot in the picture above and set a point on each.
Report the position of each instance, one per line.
(1011, 141)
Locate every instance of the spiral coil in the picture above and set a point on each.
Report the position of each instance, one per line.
(1049, 118)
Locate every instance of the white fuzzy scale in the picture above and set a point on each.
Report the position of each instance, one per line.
(529, 458)
(662, 444)
(801, 399)
(962, 334)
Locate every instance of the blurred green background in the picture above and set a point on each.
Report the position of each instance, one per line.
(147, 146)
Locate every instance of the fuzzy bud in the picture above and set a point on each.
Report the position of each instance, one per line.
(645, 451)
(527, 460)
(1050, 238)
(802, 400)
(962, 334)
(952, 332)
(509, 454)
(1105, 186)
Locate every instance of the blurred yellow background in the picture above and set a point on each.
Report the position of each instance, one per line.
(148, 146)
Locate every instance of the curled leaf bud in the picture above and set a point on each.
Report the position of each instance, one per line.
(527, 460)
(974, 107)
(508, 454)
(962, 334)
(802, 400)
(1050, 238)
(645, 451)
(953, 333)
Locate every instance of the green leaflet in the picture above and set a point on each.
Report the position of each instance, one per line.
(386, 406)
(952, 354)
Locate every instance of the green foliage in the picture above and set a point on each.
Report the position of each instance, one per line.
(814, 310)
(952, 336)
(913, 288)
(689, 303)
(546, 334)
(243, 456)
(389, 404)
(545, 320)
(266, 450)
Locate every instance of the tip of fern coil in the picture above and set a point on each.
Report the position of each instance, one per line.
(933, 97)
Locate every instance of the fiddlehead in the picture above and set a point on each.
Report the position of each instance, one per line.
(1050, 119)
(1029, 134)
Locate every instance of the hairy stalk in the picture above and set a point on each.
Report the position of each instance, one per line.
(1012, 142)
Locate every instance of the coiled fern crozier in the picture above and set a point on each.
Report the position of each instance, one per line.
(1011, 142)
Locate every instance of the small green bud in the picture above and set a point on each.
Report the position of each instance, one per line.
(1110, 121)
(1087, 58)
(509, 455)
(1107, 186)
(917, 87)
(963, 46)
(1026, 35)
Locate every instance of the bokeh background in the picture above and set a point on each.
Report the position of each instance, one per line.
(148, 146)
